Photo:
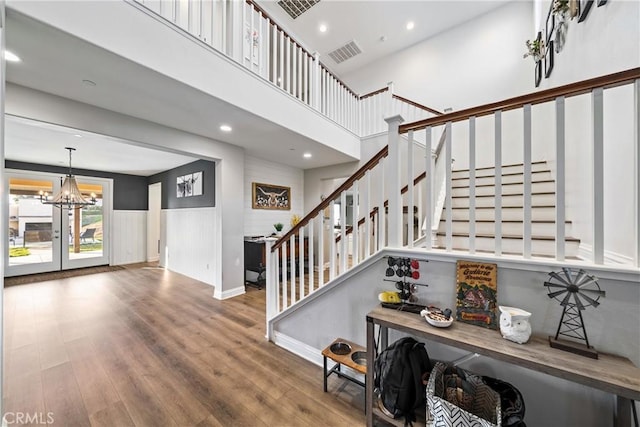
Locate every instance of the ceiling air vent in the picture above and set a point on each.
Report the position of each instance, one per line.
(345, 52)
(296, 8)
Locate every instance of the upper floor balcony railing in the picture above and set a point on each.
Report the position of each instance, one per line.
(245, 32)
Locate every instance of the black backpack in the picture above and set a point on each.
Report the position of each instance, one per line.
(400, 374)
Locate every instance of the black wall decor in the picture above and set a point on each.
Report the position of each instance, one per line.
(170, 199)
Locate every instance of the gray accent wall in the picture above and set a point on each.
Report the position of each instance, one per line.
(169, 194)
(130, 192)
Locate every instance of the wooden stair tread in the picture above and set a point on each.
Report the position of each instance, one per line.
(546, 181)
(509, 236)
(504, 174)
(540, 193)
(503, 166)
(537, 255)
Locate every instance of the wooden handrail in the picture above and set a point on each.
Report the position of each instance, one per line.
(375, 92)
(415, 104)
(348, 183)
(264, 13)
(573, 89)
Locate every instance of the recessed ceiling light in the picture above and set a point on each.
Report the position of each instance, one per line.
(307, 155)
(225, 128)
(89, 82)
(11, 57)
(410, 25)
(323, 28)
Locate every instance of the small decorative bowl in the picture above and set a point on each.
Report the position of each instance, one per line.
(436, 318)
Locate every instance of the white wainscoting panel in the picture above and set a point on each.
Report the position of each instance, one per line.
(129, 241)
(188, 244)
(259, 222)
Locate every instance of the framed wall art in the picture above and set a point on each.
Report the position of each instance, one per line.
(269, 196)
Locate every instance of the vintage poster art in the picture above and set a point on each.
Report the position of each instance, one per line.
(477, 293)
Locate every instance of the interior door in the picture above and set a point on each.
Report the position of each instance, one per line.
(34, 228)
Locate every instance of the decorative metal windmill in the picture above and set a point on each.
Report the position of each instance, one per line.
(575, 290)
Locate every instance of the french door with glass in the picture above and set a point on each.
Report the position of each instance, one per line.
(45, 238)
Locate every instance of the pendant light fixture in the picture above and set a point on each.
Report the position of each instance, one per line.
(69, 196)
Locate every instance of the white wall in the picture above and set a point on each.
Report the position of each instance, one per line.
(185, 247)
(259, 222)
(128, 237)
(475, 63)
(549, 401)
(25, 102)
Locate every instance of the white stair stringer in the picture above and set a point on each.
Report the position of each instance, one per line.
(543, 223)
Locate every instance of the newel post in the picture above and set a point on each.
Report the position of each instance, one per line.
(271, 283)
(394, 228)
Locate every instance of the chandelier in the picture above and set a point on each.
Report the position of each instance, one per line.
(69, 195)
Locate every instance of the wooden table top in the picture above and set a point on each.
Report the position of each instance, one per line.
(609, 373)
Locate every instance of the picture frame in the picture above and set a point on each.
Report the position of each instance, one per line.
(270, 197)
(548, 60)
(189, 185)
(585, 7)
(550, 25)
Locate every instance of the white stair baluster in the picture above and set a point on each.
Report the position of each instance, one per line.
(560, 178)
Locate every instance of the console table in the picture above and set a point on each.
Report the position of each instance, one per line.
(613, 374)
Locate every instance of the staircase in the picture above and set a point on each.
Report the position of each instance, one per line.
(543, 222)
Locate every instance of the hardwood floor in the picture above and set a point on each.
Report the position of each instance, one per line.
(147, 347)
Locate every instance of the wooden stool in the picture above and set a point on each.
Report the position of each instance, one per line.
(343, 352)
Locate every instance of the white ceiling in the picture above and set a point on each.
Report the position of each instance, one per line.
(57, 63)
(368, 21)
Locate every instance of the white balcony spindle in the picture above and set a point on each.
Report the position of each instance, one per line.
(526, 154)
(367, 214)
(273, 54)
(382, 232)
(321, 228)
(355, 212)
(310, 257)
(343, 232)
(449, 187)
(284, 269)
(301, 262)
(410, 202)
(294, 69)
(498, 182)
(598, 175)
(472, 184)
(281, 56)
(332, 241)
(292, 268)
(428, 189)
(560, 178)
(636, 167)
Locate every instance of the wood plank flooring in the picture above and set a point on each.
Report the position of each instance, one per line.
(147, 347)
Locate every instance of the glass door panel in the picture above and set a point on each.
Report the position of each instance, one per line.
(86, 232)
(34, 231)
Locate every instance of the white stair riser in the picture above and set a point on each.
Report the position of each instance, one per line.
(513, 214)
(538, 176)
(507, 200)
(508, 228)
(538, 247)
(506, 189)
(535, 167)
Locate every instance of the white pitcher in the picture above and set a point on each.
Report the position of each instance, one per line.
(514, 324)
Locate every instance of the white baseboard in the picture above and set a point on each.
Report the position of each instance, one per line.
(585, 251)
(228, 293)
(298, 348)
